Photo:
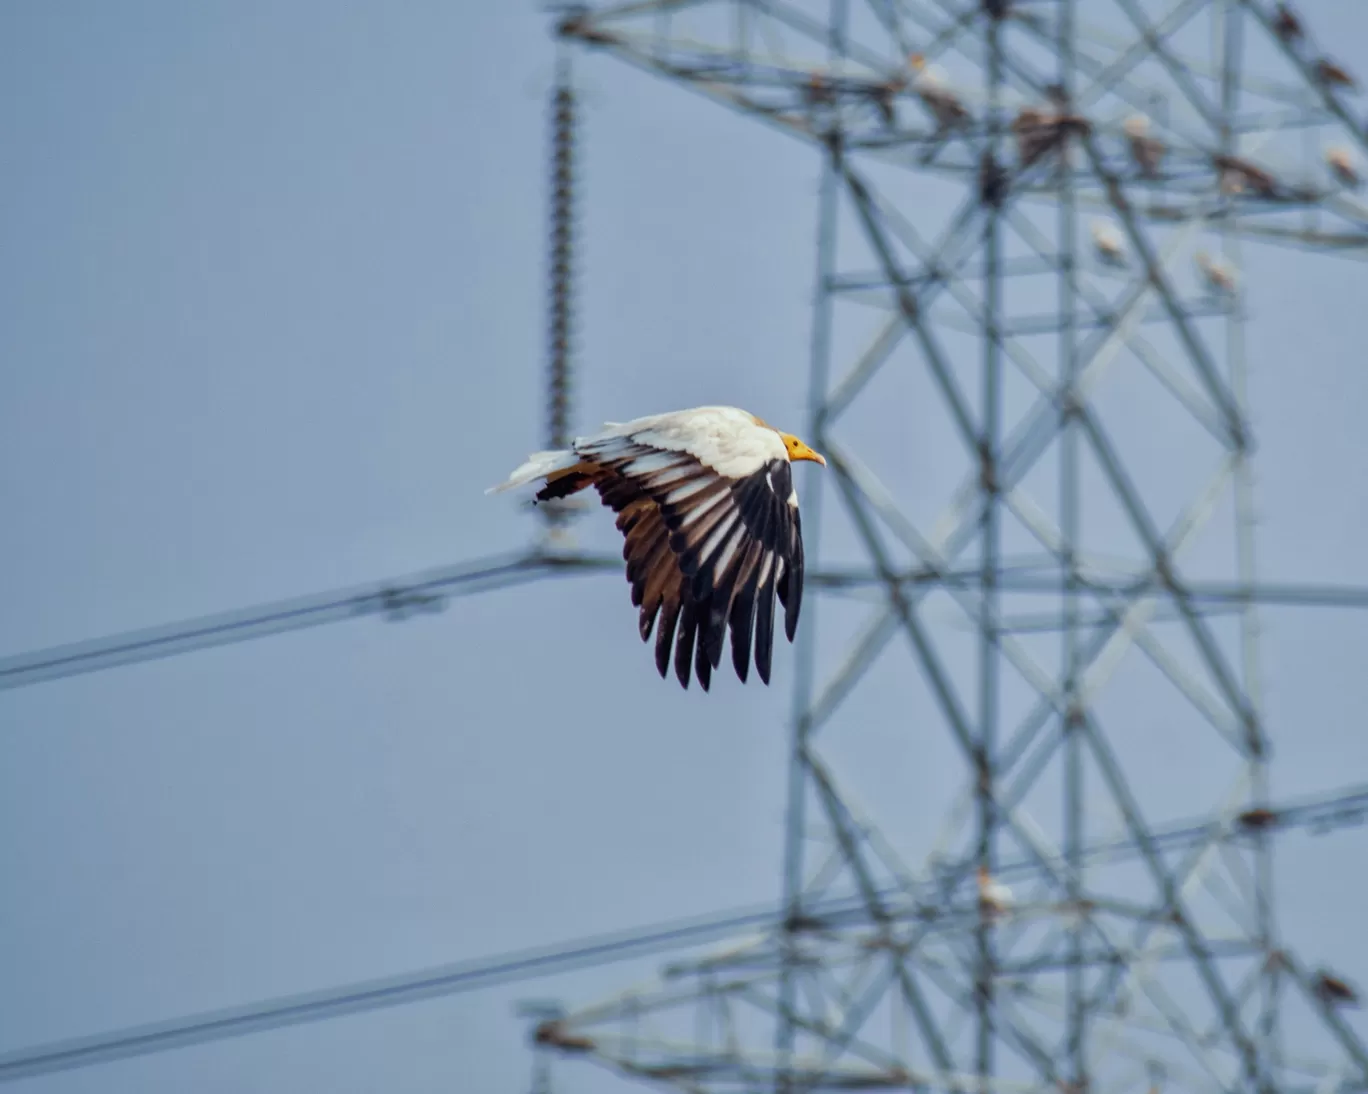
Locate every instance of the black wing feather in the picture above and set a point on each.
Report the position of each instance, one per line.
(684, 644)
(706, 555)
(669, 617)
(702, 656)
(793, 579)
(764, 619)
(741, 618)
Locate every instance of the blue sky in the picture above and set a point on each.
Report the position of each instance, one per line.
(271, 319)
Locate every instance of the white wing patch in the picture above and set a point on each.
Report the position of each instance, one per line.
(702, 509)
(688, 490)
(645, 465)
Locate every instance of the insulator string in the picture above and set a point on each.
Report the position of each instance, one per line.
(561, 267)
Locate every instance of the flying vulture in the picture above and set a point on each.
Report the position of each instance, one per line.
(706, 503)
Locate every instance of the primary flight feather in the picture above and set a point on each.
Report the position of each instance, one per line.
(709, 514)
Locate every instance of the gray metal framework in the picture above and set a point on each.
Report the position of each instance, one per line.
(1060, 550)
(1136, 951)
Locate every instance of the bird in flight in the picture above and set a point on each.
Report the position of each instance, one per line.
(706, 504)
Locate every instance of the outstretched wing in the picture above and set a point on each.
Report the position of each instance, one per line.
(707, 550)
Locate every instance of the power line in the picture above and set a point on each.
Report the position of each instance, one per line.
(1315, 814)
(396, 599)
(428, 591)
(368, 995)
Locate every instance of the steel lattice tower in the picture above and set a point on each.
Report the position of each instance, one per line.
(1002, 234)
(1029, 228)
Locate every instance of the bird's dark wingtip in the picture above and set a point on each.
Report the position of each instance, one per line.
(683, 668)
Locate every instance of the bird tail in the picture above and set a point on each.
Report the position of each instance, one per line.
(538, 466)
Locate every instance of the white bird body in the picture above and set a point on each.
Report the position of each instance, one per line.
(1109, 242)
(931, 84)
(1220, 275)
(931, 78)
(706, 504)
(728, 440)
(1147, 151)
(1341, 163)
(994, 896)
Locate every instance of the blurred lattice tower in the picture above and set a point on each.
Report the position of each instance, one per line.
(1028, 376)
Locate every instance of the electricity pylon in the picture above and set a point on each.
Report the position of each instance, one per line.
(1031, 219)
(1048, 560)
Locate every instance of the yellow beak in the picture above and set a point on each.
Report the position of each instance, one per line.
(797, 450)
